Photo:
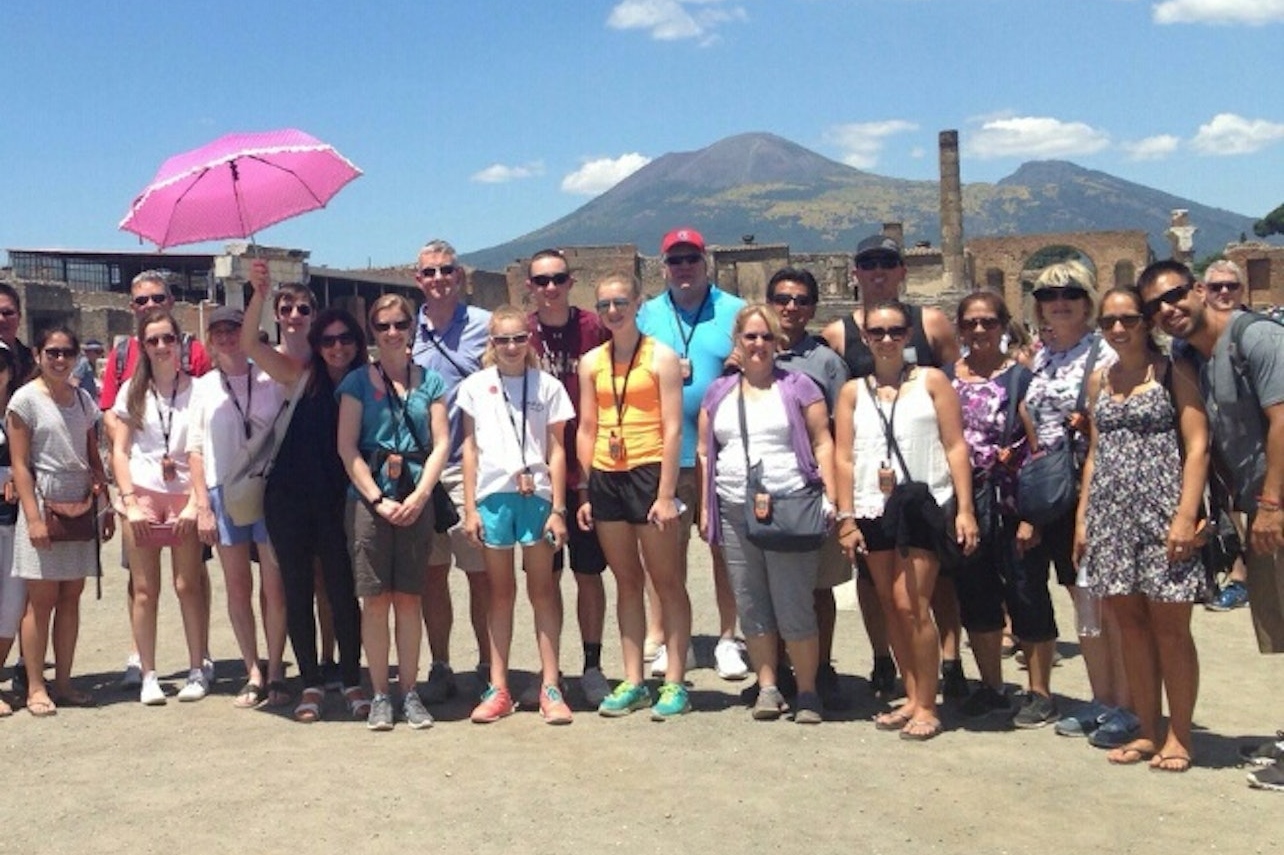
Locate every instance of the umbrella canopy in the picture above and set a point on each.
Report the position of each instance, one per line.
(237, 185)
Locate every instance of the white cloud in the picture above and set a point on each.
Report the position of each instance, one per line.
(1253, 12)
(498, 173)
(673, 20)
(601, 174)
(1227, 133)
(1034, 136)
(1151, 148)
(862, 142)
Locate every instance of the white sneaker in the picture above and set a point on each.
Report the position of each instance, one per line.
(133, 676)
(207, 671)
(594, 685)
(660, 664)
(729, 660)
(650, 649)
(196, 686)
(152, 694)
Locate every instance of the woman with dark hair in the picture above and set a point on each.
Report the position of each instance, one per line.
(157, 505)
(54, 446)
(307, 489)
(13, 591)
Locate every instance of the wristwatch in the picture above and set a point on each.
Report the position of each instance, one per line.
(561, 512)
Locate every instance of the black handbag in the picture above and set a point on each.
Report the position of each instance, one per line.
(1048, 481)
(794, 521)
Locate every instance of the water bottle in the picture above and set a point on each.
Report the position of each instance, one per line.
(1087, 613)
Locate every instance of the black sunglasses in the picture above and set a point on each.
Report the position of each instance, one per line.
(163, 338)
(1107, 322)
(1216, 287)
(543, 281)
(880, 262)
(61, 352)
(1051, 295)
(344, 338)
(675, 260)
(433, 272)
(384, 326)
(154, 299)
(1151, 307)
(880, 333)
(800, 300)
(989, 324)
(297, 308)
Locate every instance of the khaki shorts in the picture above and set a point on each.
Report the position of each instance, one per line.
(454, 543)
(1266, 599)
(385, 558)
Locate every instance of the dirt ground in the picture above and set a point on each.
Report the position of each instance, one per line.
(209, 778)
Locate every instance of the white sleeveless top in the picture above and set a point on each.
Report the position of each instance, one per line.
(917, 434)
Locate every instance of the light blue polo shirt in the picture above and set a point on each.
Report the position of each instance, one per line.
(454, 352)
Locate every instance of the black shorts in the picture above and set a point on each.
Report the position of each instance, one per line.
(624, 496)
(877, 541)
(587, 557)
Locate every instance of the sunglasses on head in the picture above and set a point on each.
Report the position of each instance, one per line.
(690, 258)
(1107, 322)
(61, 352)
(154, 299)
(1051, 295)
(505, 340)
(302, 309)
(1150, 308)
(613, 303)
(989, 324)
(344, 338)
(384, 326)
(1216, 287)
(544, 280)
(880, 333)
(434, 272)
(163, 338)
(802, 301)
(878, 262)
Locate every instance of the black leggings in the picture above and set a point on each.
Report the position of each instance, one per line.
(303, 527)
(1029, 601)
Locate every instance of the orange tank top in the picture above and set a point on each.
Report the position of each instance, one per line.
(628, 409)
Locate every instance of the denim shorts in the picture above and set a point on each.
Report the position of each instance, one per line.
(229, 533)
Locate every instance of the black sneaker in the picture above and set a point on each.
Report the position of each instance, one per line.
(1268, 777)
(831, 693)
(953, 680)
(882, 680)
(1265, 754)
(1036, 711)
(985, 701)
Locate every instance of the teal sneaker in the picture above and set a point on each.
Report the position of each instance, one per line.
(673, 702)
(625, 699)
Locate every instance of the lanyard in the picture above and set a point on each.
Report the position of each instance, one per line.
(621, 396)
(677, 319)
(395, 404)
(249, 399)
(889, 435)
(167, 423)
(508, 408)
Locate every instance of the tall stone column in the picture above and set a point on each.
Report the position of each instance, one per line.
(951, 213)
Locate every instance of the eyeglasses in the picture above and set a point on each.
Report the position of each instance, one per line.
(163, 338)
(675, 260)
(505, 340)
(613, 303)
(802, 301)
(61, 352)
(384, 326)
(543, 281)
(1150, 308)
(1216, 287)
(1051, 295)
(8, 313)
(154, 299)
(434, 272)
(344, 338)
(758, 336)
(880, 262)
(1107, 322)
(303, 309)
(989, 324)
(880, 333)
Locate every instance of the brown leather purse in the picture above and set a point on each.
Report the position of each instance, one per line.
(73, 522)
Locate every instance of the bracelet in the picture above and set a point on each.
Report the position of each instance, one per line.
(844, 516)
(128, 495)
(561, 512)
(1269, 504)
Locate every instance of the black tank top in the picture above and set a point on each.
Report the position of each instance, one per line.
(860, 359)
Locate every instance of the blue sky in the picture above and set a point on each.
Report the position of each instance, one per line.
(479, 121)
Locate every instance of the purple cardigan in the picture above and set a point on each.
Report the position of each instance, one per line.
(797, 391)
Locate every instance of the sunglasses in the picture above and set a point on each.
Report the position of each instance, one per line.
(8, 313)
(1051, 295)
(344, 338)
(543, 281)
(613, 303)
(154, 299)
(505, 340)
(758, 336)
(1107, 322)
(882, 262)
(61, 352)
(434, 272)
(302, 309)
(880, 333)
(1216, 287)
(163, 338)
(384, 326)
(988, 324)
(802, 301)
(675, 260)
(1150, 308)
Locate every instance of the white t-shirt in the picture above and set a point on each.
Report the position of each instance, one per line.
(216, 429)
(149, 441)
(769, 442)
(495, 403)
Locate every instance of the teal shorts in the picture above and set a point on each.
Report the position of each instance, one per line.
(511, 518)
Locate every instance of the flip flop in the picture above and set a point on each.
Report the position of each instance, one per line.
(278, 694)
(250, 696)
(309, 708)
(894, 720)
(1157, 763)
(1129, 755)
(42, 708)
(921, 729)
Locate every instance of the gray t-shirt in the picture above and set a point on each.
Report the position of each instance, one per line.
(1236, 419)
(811, 356)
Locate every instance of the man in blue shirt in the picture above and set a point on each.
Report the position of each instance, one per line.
(695, 318)
(450, 339)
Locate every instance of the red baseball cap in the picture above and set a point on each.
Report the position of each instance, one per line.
(682, 235)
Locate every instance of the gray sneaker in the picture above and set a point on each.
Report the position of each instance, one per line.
(809, 709)
(770, 704)
(441, 684)
(412, 709)
(1036, 711)
(380, 717)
